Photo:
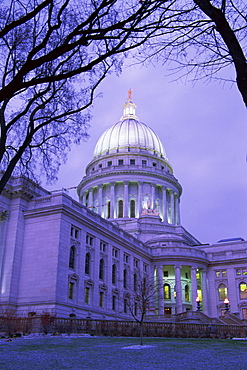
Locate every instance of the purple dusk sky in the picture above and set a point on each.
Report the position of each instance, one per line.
(204, 132)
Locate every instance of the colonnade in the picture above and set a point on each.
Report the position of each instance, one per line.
(104, 198)
(179, 300)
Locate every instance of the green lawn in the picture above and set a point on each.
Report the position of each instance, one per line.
(111, 353)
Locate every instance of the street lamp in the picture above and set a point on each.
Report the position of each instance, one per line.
(198, 304)
(226, 301)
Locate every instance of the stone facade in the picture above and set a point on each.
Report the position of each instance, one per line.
(79, 259)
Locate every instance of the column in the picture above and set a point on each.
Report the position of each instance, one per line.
(126, 199)
(204, 292)
(160, 291)
(153, 196)
(112, 199)
(179, 302)
(90, 199)
(164, 205)
(172, 208)
(193, 288)
(140, 198)
(100, 200)
(176, 204)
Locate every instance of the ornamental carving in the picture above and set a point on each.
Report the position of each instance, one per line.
(4, 215)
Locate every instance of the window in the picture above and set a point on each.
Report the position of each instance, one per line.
(115, 252)
(167, 311)
(71, 290)
(74, 232)
(100, 165)
(135, 282)
(244, 271)
(132, 208)
(186, 275)
(154, 164)
(125, 274)
(217, 274)
(101, 299)
(103, 246)
(238, 271)
(244, 312)
(222, 290)
(243, 290)
(120, 162)
(145, 267)
(132, 161)
(72, 257)
(101, 269)
(114, 299)
(89, 239)
(126, 258)
(109, 163)
(87, 263)
(108, 215)
(167, 291)
(136, 263)
(144, 162)
(120, 208)
(165, 273)
(114, 274)
(223, 273)
(187, 293)
(87, 295)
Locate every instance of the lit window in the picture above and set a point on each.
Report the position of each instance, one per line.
(120, 162)
(87, 263)
(186, 293)
(132, 161)
(71, 290)
(217, 274)
(167, 291)
(223, 273)
(243, 290)
(72, 258)
(132, 208)
(101, 269)
(87, 295)
(120, 208)
(238, 272)
(222, 290)
(114, 273)
(244, 271)
(108, 209)
(244, 312)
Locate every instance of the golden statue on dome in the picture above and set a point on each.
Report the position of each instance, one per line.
(130, 94)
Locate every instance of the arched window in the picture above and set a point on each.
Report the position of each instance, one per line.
(108, 215)
(167, 291)
(72, 257)
(222, 290)
(187, 293)
(87, 263)
(125, 278)
(132, 208)
(120, 208)
(101, 269)
(114, 270)
(243, 290)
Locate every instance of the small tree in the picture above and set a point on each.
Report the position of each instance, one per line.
(141, 299)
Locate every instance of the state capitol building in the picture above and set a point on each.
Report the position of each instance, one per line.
(82, 258)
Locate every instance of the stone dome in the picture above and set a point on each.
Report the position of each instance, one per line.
(129, 134)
